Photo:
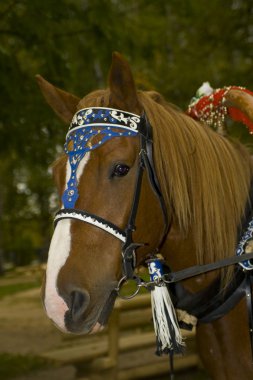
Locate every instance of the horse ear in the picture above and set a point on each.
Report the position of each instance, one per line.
(63, 103)
(122, 87)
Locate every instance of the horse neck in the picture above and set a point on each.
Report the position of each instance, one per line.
(180, 252)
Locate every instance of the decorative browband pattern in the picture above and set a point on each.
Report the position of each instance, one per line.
(89, 129)
(245, 245)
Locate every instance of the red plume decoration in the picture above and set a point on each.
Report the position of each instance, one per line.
(212, 109)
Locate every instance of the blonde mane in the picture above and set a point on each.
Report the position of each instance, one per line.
(204, 177)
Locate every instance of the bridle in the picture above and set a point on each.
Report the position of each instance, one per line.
(107, 123)
(110, 123)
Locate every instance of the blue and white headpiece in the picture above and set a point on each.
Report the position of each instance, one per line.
(245, 245)
(105, 124)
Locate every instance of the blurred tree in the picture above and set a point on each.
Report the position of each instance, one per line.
(173, 47)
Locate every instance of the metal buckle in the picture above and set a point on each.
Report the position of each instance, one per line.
(138, 281)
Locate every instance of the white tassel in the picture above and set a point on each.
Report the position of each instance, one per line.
(169, 338)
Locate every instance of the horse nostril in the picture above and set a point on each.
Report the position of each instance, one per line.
(78, 304)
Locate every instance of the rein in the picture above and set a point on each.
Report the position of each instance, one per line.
(184, 274)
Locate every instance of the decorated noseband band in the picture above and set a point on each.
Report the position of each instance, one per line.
(91, 219)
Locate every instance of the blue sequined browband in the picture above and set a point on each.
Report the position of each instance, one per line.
(89, 129)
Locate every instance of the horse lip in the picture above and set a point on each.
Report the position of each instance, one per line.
(99, 322)
(104, 314)
(96, 328)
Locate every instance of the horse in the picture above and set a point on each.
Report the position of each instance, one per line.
(205, 180)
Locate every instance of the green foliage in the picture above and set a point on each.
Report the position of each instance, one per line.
(14, 365)
(173, 47)
(7, 290)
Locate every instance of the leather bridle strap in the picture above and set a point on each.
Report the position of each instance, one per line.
(201, 269)
(128, 249)
(145, 162)
(150, 167)
(248, 292)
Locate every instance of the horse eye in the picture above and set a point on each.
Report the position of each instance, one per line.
(120, 170)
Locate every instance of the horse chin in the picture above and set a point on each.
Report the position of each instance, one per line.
(96, 328)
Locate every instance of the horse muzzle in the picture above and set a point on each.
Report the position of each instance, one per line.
(79, 313)
(83, 317)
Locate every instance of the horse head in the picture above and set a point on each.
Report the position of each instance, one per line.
(85, 261)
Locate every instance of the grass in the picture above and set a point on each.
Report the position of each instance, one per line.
(20, 365)
(7, 290)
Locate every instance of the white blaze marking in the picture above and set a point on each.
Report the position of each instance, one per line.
(57, 256)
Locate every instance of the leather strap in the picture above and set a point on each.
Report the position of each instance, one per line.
(150, 167)
(248, 291)
(200, 269)
(225, 302)
(145, 162)
(128, 249)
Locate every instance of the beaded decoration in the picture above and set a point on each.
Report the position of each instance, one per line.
(209, 107)
(245, 245)
(90, 219)
(88, 125)
(168, 335)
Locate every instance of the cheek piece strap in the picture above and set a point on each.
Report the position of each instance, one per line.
(145, 163)
(104, 124)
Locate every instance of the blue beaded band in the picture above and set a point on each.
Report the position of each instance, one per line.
(155, 268)
(246, 239)
(102, 116)
(101, 123)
